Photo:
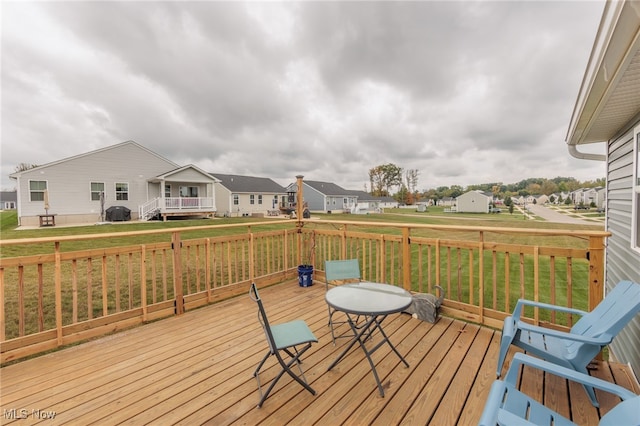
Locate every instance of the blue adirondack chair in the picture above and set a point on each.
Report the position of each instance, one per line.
(577, 348)
(506, 405)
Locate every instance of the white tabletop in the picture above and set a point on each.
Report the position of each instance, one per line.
(368, 298)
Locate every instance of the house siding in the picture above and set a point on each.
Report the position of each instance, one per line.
(69, 182)
(622, 263)
(473, 202)
(315, 200)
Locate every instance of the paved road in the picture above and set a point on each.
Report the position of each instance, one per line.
(553, 216)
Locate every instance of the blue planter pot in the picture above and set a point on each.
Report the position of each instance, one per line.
(305, 275)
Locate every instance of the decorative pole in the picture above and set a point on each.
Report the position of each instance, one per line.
(299, 207)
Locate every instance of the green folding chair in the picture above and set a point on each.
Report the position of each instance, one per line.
(341, 271)
(291, 339)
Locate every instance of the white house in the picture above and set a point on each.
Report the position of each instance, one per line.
(446, 202)
(78, 189)
(541, 199)
(607, 112)
(388, 203)
(474, 202)
(366, 203)
(247, 195)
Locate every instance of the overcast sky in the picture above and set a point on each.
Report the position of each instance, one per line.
(466, 92)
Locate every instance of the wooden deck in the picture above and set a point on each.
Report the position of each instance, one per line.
(197, 369)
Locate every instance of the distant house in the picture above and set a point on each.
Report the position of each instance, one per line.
(325, 197)
(446, 202)
(388, 203)
(366, 203)
(8, 200)
(541, 199)
(607, 111)
(78, 189)
(474, 202)
(238, 195)
(601, 194)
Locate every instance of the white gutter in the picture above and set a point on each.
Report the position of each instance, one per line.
(573, 150)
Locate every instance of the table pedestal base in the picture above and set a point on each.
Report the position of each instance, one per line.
(373, 323)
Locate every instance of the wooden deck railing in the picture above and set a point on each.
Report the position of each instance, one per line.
(64, 294)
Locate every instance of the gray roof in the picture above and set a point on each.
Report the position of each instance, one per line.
(328, 188)
(365, 196)
(238, 183)
(9, 196)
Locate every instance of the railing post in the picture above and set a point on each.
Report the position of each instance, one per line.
(143, 282)
(596, 271)
(252, 243)
(343, 243)
(3, 322)
(176, 246)
(58, 284)
(299, 224)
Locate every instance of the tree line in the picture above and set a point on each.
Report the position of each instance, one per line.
(391, 180)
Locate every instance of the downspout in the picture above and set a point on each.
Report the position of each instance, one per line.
(573, 150)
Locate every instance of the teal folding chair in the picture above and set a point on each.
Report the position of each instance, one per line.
(292, 338)
(507, 406)
(577, 348)
(341, 272)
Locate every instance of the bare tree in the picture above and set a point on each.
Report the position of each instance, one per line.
(25, 166)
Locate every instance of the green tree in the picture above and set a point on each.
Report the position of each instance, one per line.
(383, 178)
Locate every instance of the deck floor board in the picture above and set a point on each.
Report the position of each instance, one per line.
(198, 369)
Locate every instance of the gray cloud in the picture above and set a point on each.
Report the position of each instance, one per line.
(466, 92)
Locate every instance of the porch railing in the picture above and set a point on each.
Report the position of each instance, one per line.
(77, 287)
(162, 205)
(188, 203)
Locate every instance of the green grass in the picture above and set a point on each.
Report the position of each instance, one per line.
(8, 225)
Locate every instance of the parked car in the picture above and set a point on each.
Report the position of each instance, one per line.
(495, 210)
(581, 207)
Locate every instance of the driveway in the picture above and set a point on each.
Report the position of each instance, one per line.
(553, 216)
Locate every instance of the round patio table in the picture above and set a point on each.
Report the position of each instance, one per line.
(375, 301)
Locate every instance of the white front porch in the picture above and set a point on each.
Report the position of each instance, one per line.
(176, 206)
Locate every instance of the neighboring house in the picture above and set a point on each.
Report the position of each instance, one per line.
(607, 111)
(601, 194)
(8, 200)
(247, 195)
(366, 203)
(541, 199)
(388, 203)
(555, 197)
(474, 202)
(446, 202)
(325, 197)
(79, 189)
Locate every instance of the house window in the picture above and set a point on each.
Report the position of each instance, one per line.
(122, 191)
(167, 191)
(236, 199)
(188, 191)
(635, 195)
(252, 199)
(97, 188)
(260, 199)
(36, 190)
